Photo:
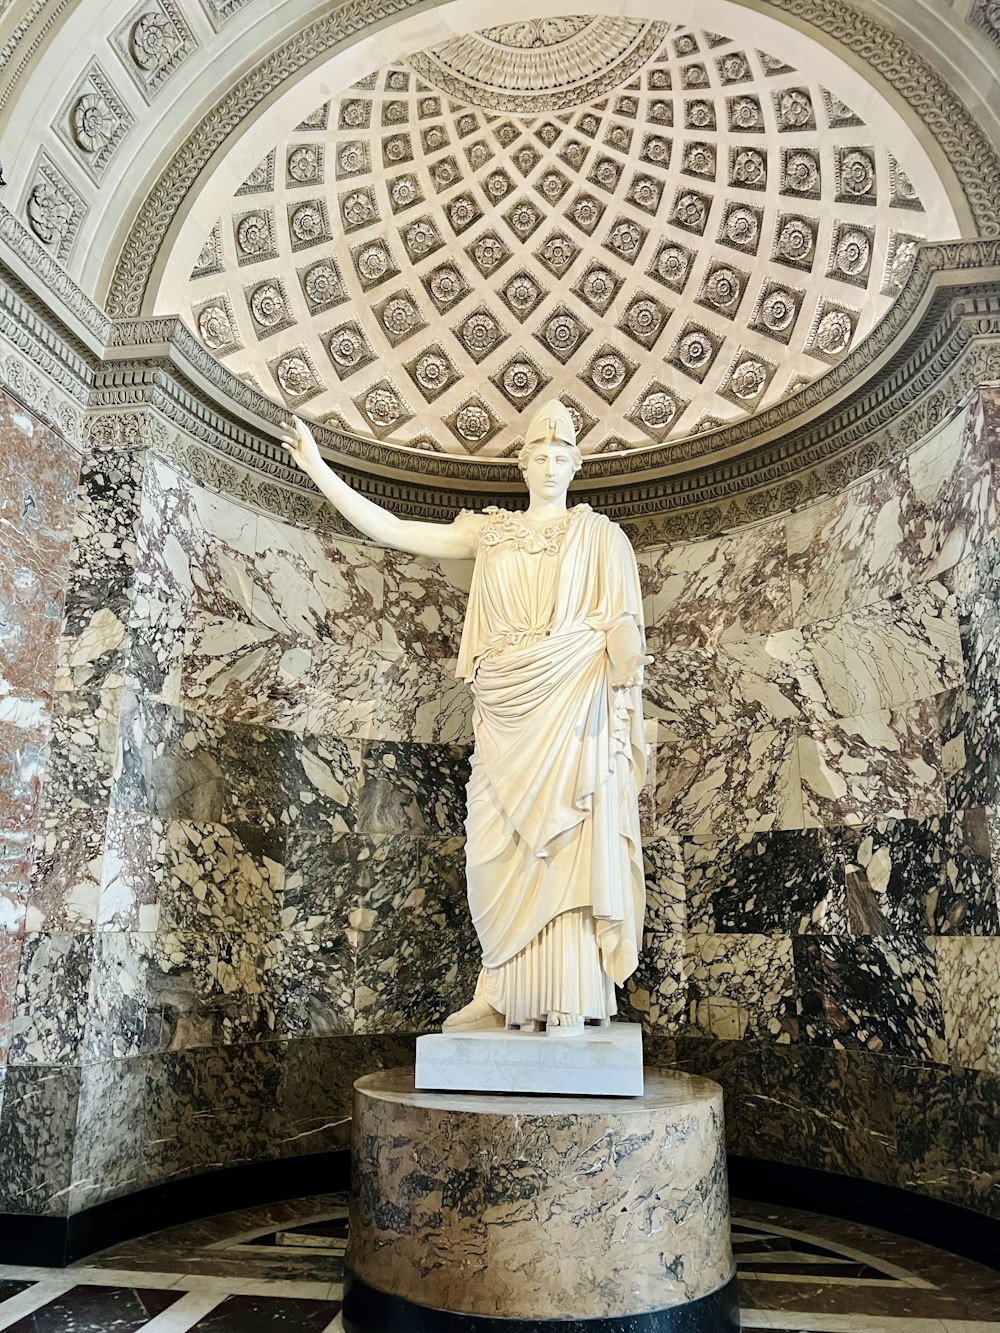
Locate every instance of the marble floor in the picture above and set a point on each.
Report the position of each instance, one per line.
(280, 1268)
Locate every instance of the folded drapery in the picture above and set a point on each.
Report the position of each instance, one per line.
(553, 828)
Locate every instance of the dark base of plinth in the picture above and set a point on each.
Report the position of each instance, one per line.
(367, 1310)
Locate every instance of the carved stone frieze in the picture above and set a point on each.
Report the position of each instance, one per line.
(34, 258)
(945, 334)
(39, 385)
(553, 64)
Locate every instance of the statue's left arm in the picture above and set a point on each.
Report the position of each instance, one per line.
(627, 651)
(626, 640)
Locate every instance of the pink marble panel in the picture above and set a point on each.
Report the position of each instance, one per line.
(22, 766)
(38, 472)
(33, 571)
(15, 871)
(38, 475)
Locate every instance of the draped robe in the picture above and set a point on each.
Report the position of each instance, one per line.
(553, 855)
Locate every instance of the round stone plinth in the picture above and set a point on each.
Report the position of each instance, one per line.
(522, 1213)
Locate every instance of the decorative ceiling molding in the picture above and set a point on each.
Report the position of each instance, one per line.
(976, 165)
(69, 302)
(945, 341)
(12, 69)
(541, 65)
(675, 256)
(946, 117)
(134, 269)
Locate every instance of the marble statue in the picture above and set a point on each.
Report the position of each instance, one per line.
(553, 651)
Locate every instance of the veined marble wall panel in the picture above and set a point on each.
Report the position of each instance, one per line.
(244, 867)
(826, 705)
(161, 1117)
(283, 865)
(231, 823)
(43, 964)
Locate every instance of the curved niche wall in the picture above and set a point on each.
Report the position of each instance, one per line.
(251, 888)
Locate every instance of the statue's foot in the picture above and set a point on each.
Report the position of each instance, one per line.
(564, 1025)
(476, 1016)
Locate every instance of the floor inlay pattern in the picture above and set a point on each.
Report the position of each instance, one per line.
(281, 1268)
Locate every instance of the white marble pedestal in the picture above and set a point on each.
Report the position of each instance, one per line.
(525, 1214)
(600, 1062)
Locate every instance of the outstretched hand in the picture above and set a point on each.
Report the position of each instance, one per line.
(630, 673)
(298, 439)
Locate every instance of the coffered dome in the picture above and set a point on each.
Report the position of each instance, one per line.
(666, 227)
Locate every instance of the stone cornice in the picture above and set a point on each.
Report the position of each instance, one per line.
(30, 266)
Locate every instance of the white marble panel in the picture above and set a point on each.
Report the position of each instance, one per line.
(196, 542)
(905, 648)
(877, 765)
(725, 588)
(420, 699)
(316, 586)
(718, 786)
(252, 673)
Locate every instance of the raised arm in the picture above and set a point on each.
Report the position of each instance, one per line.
(443, 541)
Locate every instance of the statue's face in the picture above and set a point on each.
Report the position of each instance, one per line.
(549, 470)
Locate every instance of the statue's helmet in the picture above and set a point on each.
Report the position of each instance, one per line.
(552, 421)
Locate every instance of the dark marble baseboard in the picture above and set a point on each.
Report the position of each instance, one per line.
(948, 1226)
(368, 1310)
(58, 1241)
